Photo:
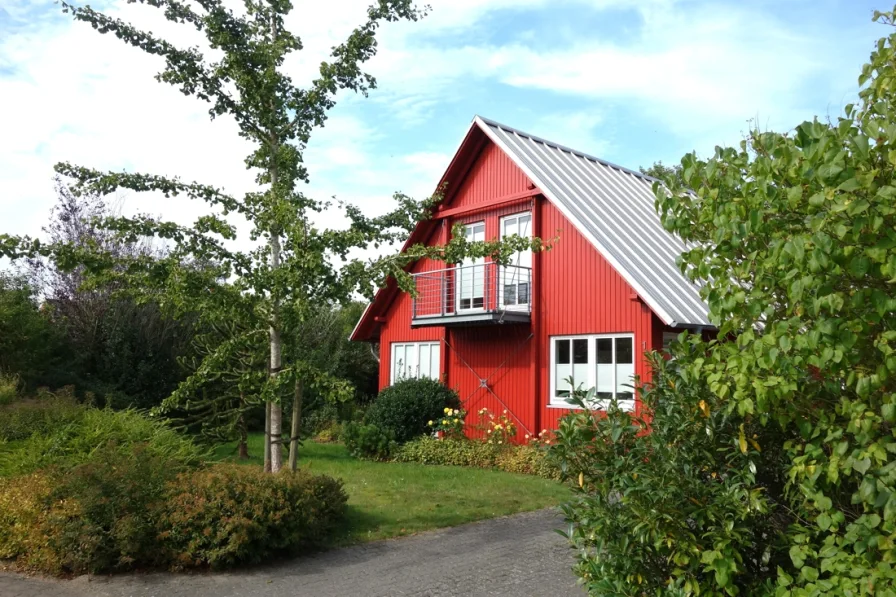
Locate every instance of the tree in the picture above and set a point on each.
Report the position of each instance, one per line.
(298, 265)
(30, 347)
(667, 174)
(119, 348)
(769, 466)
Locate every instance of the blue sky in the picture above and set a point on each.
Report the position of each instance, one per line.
(631, 82)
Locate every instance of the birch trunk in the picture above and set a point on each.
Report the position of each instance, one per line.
(276, 358)
(267, 437)
(296, 425)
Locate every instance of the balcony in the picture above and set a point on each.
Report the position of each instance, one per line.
(477, 294)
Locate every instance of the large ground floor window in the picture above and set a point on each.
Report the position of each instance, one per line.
(602, 361)
(415, 359)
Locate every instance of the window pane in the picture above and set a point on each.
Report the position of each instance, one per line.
(604, 378)
(580, 351)
(605, 351)
(624, 350)
(562, 352)
(434, 361)
(424, 360)
(561, 379)
(625, 373)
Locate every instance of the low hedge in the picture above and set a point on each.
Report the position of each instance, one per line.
(231, 514)
(135, 513)
(527, 460)
(368, 441)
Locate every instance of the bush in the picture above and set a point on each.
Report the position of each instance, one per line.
(687, 507)
(97, 516)
(230, 514)
(131, 509)
(24, 418)
(59, 432)
(406, 407)
(329, 434)
(9, 385)
(527, 460)
(368, 441)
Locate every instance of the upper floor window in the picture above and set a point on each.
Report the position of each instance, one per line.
(415, 359)
(515, 279)
(601, 361)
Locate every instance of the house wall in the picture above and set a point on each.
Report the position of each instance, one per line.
(576, 291)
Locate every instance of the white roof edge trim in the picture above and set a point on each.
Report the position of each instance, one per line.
(360, 319)
(650, 300)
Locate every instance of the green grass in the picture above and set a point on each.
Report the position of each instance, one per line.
(390, 499)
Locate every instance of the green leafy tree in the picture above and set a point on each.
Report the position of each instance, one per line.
(769, 463)
(665, 173)
(796, 251)
(296, 265)
(30, 346)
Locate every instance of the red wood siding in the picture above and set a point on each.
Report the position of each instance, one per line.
(491, 176)
(581, 293)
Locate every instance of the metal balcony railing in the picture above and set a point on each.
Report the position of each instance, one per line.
(475, 292)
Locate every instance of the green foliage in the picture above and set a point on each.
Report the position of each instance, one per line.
(406, 407)
(230, 514)
(669, 175)
(60, 433)
(690, 507)
(9, 388)
(794, 247)
(29, 345)
(368, 441)
(527, 460)
(127, 509)
(93, 517)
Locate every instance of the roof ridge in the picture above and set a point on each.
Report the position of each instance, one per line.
(555, 145)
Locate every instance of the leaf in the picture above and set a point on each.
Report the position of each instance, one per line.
(704, 408)
(742, 440)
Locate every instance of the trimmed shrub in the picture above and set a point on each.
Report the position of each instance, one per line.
(527, 460)
(368, 441)
(406, 407)
(230, 514)
(95, 517)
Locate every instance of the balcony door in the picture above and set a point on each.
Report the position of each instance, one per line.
(470, 288)
(515, 279)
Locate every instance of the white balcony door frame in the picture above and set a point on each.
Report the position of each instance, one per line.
(519, 279)
(469, 280)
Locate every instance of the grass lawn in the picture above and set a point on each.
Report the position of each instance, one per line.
(390, 499)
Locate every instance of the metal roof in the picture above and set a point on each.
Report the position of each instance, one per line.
(613, 207)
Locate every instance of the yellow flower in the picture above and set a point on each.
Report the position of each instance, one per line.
(430, 423)
(455, 420)
(447, 410)
(444, 422)
(489, 430)
(457, 412)
(500, 442)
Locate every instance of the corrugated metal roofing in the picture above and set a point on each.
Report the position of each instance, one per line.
(614, 208)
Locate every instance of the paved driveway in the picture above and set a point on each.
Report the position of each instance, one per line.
(515, 556)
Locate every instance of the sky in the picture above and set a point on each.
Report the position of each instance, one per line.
(629, 81)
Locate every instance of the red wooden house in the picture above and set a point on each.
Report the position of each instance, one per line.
(509, 337)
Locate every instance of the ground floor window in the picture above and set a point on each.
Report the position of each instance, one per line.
(415, 359)
(602, 361)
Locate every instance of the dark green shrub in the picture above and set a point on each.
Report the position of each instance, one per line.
(230, 514)
(368, 441)
(691, 506)
(527, 460)
(405, 408)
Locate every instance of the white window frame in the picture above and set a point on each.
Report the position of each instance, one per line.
(516, 260)
(555, 401)
(415, 365)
